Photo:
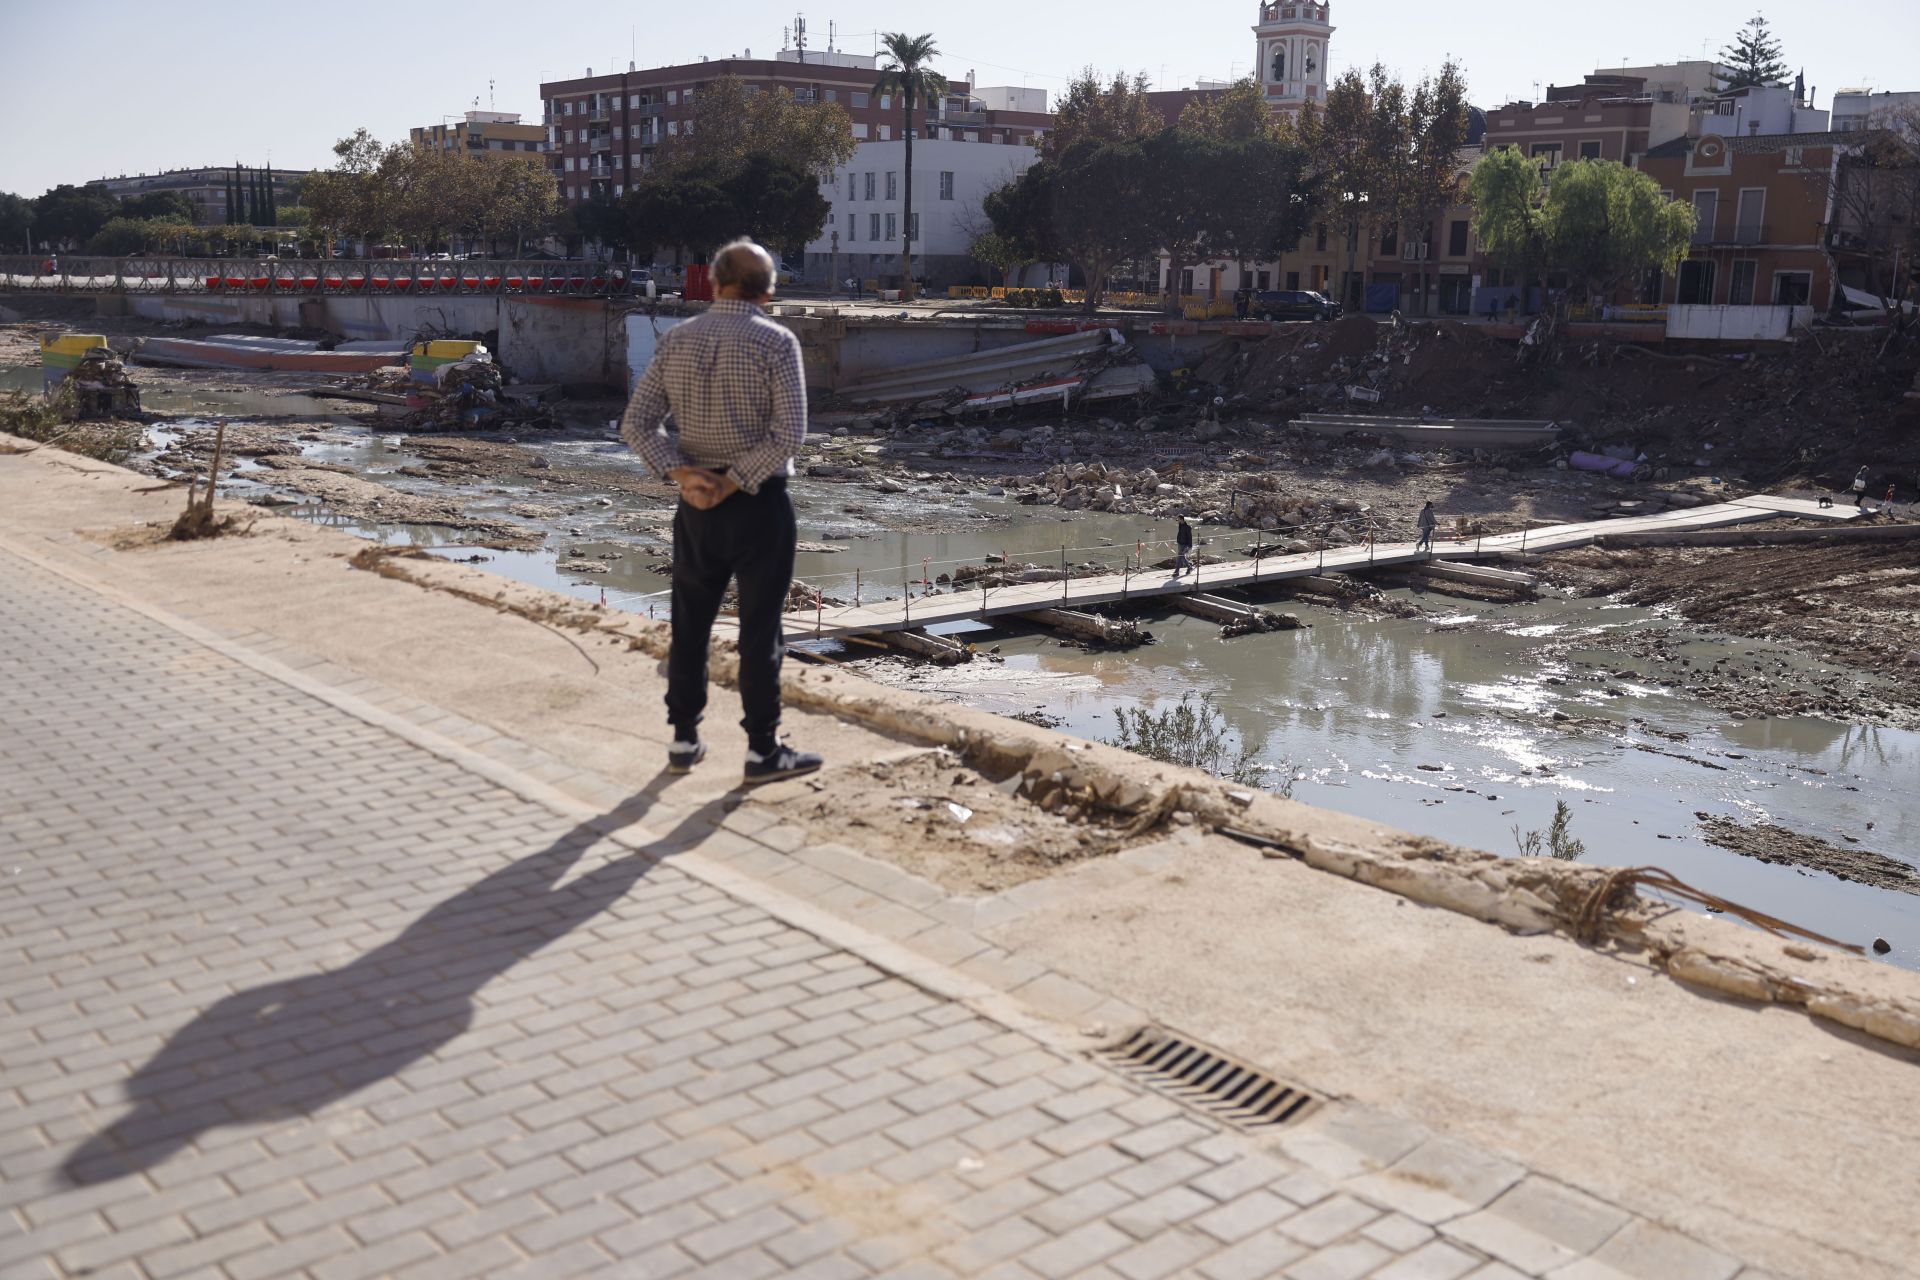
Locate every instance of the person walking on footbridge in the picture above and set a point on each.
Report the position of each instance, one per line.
(1428, 520)
(1183, 548)
(730, 382)
(1859, 486)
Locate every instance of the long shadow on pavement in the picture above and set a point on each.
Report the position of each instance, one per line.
(291, 1047)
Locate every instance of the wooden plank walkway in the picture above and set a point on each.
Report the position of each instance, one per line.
(960, 606)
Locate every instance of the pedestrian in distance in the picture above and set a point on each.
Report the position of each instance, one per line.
(1859, 486)
(1427, 522)
(731, 380)
(853, 286)
(1183, 547)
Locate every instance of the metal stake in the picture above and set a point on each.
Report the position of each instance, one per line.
(1065, 582)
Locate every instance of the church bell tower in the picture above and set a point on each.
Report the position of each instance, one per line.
(1292, 38)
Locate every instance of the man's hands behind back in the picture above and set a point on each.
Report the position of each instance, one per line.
(703, 490)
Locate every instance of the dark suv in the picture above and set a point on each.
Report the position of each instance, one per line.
(1292, 304)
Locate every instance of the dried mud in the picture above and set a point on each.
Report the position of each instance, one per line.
(1769, 843)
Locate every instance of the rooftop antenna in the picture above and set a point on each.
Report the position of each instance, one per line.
(800, 35)
(833, 29)
(489, 95)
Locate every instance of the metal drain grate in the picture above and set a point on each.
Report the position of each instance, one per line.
(1208, 1080)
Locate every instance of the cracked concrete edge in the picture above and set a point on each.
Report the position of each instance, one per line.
(1524, 895)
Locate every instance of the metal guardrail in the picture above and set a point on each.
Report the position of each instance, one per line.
(333, 277)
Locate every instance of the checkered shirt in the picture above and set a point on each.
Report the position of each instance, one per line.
(731, 381)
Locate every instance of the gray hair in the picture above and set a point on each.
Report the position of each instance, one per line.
(746, 264)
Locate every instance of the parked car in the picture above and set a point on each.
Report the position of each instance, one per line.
(1293, 304)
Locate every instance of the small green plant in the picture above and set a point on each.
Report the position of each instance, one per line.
(1557, 839)
(1193, 733)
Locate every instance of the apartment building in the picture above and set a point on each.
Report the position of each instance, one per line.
(1762, 209)
(603, 130)
(951, 179)
(205, 189)
(481, 131)
(1853, 109)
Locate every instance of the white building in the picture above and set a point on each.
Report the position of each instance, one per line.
(1756, 109)
(1853, 108)
(951, 180)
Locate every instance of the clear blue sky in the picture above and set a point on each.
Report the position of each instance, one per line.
(119, 86)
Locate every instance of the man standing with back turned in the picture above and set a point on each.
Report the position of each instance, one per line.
(732, 381)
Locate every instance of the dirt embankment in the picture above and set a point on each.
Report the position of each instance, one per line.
(1852, 604)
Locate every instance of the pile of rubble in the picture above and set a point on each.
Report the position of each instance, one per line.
(99, 389)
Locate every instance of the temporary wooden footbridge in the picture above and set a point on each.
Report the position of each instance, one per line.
(1057, 602)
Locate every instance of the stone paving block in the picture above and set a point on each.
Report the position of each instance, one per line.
(1435, 1260)
(1440, 1179)
(1538, 1225)
(1398, 1232)
(1330, 1220)
(1065, 1211)
(1170, 1253)
(1234, 1221)
(1645, 1250)
(1075, 1251)
(1344, 1142)
(1256, 1258)
(1348, 1260)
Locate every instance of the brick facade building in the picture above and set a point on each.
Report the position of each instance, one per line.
(603, 131)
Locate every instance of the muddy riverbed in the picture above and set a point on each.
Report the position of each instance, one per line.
(1458, 718)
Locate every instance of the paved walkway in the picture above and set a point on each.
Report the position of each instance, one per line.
(287, 993)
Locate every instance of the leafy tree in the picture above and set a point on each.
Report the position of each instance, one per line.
(1343, 142)
(729, 123)
(16, 221)
(772, 199)
(1432, 178)
(1510, 212)
(293, 215)
(1608, 224)
(170, 205)
(1753, 58)
(997, 253)
(1089, 205)
(778, 203)
(1112, 111)
(69, 215)
(515, 195)
(1598, 220)
(908, 76)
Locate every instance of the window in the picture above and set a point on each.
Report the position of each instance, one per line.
(1740, 283)
(886, 132)
(633, 103)
(893, 185)
(853, 227)
(886, 102)
(566, 135)
(853, 186)
(1457, 238)
(1696, 282)
(619, 131)
(686, 95)
(1706, 206)
(946, 184)
(1748, 227)
(893, 227)
(1320, 237)
(860, 129)
(859, 99)
(619, 190)
(1792, 288)
(566, 108)
(833, 95)
(1590, 150)
(673, 97)
(873, 226)
(1792, 158)
(687, 127)
(1547, 153)
(673, 127)
(569, 164)
(870, 188)
(1389, 242)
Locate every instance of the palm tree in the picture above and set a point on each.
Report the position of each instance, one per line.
(907, 75)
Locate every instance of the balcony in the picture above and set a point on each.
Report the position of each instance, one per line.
(651, 108)
(964, 117)
(1751, 233)
(600, 141)
(597, 116)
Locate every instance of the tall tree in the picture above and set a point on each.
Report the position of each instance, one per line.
(1608, 225)
(1753, 58)
(16, 222)
(273, 208)
(1105, 111)
(1089, 205)
(908, 75)
(1340, 139)
(69, 215)
(729, 123)
(1433, 178)
(1510, 213)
